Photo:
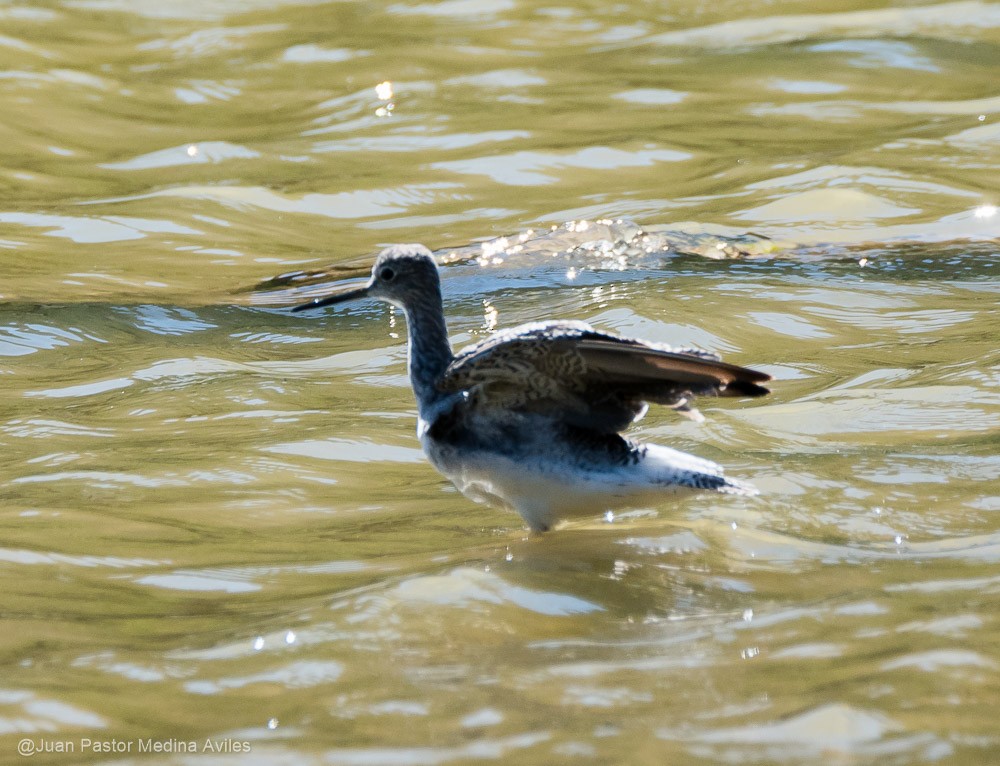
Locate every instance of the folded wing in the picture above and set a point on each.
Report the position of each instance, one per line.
(590, 379)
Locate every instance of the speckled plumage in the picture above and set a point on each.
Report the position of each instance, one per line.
(530, 418)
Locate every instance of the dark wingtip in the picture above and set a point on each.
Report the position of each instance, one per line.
(746, 388)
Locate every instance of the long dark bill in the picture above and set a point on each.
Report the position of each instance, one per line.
(343, 296)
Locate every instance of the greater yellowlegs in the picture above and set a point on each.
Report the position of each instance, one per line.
(529, 418)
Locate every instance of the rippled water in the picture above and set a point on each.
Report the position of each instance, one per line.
(216, 521)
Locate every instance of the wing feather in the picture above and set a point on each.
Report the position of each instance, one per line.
(588, 378)
(642, 361)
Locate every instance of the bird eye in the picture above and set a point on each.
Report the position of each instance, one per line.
(387, 274)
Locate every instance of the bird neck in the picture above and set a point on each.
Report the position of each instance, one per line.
(429, 352)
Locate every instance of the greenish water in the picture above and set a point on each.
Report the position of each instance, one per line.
(215, 520)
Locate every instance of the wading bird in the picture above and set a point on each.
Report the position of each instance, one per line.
(530, 418)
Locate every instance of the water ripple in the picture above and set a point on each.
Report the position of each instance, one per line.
(525, 168)
(939, 20)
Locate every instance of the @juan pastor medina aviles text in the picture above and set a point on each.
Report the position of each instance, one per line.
(29, 746)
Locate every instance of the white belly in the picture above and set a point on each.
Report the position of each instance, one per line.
(544, 489)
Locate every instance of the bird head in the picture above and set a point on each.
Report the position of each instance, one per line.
(402, 275)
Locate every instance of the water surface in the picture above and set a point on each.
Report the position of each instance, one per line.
(215, 520)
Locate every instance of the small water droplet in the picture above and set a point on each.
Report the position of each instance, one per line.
(272, 723)
(384, 90)
(290, 637)
(609, 517)
(192, 150)
(258, 643)
(509, 556)
(899, 539)
(982, 118)
(734, 525)
(747, 615)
